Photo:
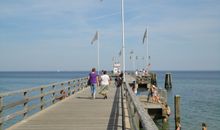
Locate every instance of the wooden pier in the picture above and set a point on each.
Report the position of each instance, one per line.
(122, 110)
(78, 112)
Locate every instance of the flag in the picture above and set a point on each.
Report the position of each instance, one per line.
(119, 53)
(145, 35)
(113, 58)
(95, 37)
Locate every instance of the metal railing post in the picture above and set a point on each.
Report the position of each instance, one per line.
(25, 105)
(1, 111)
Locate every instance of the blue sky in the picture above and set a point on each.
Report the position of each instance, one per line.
(47, 35)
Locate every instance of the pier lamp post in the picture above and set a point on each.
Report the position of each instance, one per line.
(123, 39)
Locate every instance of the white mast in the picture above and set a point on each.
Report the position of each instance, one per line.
(98, 52)
(147, 45)
(147, 50)
(123, 42)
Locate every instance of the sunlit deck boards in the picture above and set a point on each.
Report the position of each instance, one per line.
(148, 105)
(78, 112)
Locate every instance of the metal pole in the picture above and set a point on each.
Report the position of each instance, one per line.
(98, 52)
(147, 51)
(133, 59)
(123, 41)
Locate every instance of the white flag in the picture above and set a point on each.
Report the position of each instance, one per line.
(145, 35)
(95, 37)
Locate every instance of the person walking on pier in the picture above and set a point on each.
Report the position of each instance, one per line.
(119, 80)
(105, 81)
(94, 81)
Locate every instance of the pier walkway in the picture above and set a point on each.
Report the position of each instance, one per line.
(122, 110)
(77, 112)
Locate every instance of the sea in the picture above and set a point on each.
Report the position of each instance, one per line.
(199, 93)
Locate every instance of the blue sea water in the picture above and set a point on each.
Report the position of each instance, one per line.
(200, 98)
(199, 91)
(10, 81)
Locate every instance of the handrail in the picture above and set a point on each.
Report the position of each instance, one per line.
(39, 87)
(46, 95)
(137, 112)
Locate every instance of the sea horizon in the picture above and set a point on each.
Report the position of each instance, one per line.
(103, 69)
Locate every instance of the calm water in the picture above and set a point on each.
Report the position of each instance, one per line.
(200, 95)
(10, 81)
(199, 91)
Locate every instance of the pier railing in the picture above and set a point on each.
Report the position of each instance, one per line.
(138, 116)
(18, 105)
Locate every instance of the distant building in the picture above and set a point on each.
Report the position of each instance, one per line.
(116, 68)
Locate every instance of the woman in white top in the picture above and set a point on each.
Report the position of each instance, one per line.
(105, 81)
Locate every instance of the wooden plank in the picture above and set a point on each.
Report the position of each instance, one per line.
(77, 112)
(143, 100)
(28, 99)
(13, 115)
(154, 106)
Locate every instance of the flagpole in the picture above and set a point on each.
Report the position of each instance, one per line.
(136, 58)
(134, 62)
(133, 59)
(98, 52)
(123, 43)
(147, 50)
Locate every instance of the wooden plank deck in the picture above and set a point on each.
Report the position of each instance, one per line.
(77, 112)
(148, 105)
(143, 98)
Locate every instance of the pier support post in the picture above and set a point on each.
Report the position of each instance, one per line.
(177, 111)
(168, 81)
(154, 79)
